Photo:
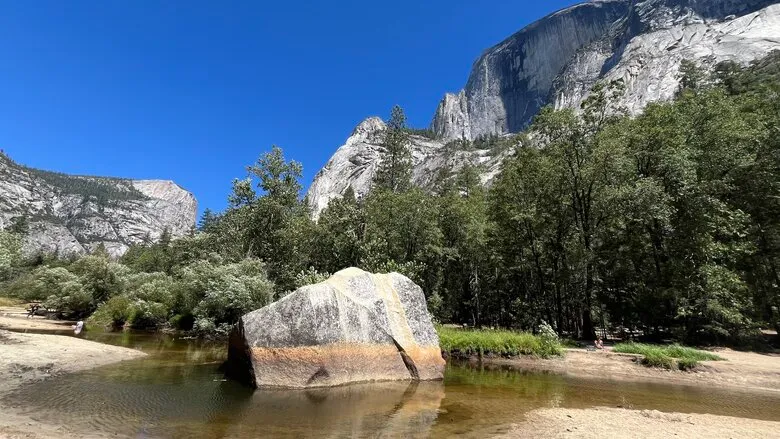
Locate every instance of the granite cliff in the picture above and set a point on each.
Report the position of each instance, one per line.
(556, 61)
(68, 214)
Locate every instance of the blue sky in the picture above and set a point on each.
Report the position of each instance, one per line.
(193, 91)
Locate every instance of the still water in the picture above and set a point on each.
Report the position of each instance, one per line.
(178, 392)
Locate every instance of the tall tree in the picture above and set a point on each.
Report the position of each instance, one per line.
(395, 168)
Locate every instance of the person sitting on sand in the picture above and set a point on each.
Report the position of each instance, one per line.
(33, 309)
(599, 344)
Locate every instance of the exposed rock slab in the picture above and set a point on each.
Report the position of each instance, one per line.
(354, 327)
(355, 163)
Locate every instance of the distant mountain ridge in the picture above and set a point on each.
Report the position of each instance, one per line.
(70, 214)
(556, 61)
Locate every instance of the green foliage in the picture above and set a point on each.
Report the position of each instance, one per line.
(667, 357)
(70, 299)
(310, 277)
(232, 291)
(500, 343)
(114, 313)
(10, 253)
(395, 168)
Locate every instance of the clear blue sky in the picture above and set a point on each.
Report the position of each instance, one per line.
(193, 91)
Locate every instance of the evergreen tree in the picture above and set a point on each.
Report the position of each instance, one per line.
(208, 221)
(395, 168)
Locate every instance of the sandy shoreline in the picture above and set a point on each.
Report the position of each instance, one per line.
(604, 422)
(14, 318)
(741, 370)
(26, 358)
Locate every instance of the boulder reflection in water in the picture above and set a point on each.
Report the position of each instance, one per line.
(359, 410)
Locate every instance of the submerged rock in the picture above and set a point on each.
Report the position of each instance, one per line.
(354, 327)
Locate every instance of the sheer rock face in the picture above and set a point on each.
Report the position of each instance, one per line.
(556, 61)
(70, 215)
(560, 57)
(354, 327)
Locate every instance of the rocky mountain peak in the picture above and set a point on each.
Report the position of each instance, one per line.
(368, 126)
(556, 61)
(70, 214)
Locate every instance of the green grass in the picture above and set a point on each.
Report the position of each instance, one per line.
(669, 357)
(9, 301)
(500, 343)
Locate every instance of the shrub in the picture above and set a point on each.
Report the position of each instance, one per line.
(310, 277)
(70, 299)
(221, 294)
(115, 312)
(146, 314)
(100, 276)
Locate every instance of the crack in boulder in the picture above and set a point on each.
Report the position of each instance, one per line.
(408, 362)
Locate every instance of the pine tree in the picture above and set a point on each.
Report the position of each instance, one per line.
(208, 220)
(395, 169)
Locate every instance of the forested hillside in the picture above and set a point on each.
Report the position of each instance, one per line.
(667, 223)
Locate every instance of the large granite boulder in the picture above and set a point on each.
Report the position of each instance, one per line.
(354, 327)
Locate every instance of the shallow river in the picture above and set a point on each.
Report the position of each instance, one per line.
(178, 391)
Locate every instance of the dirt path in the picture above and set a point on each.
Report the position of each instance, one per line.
(620, 423)
(743, 370)
(33, 357)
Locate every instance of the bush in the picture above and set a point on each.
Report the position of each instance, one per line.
(115, 312)
(223, 293)
(502, 343)
(101, 277)
(310, 277)
(70, 299)
(146, 314)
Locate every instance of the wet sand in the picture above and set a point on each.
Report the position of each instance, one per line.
(26, 358)
(14, 318)
(622, 423)
(741, 370)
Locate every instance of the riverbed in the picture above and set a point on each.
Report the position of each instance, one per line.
(177, 390)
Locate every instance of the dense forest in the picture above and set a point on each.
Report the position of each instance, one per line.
(663, 224)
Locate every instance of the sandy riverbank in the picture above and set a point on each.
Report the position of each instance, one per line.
(742, 370)
(600, 423)
(14, 318)
(27, 358)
